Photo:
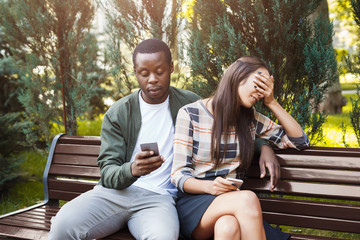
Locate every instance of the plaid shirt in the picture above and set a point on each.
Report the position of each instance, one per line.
(192, 142)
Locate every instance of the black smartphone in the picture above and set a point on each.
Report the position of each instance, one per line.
(150, 147)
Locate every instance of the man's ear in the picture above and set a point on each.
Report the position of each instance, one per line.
(172, 66)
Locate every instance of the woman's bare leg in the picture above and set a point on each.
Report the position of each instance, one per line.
(227, 227)
(243, 205)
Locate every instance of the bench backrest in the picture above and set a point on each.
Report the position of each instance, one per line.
(71, 168)
(326, 183)
(317, 172)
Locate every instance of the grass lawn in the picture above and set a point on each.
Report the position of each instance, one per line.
(333, 133)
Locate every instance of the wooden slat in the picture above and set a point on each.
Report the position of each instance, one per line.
(332, 162)
(77, 149)
(71, 185)
(74, 171)
(23, 233)
(312, 222)
(320, 190)
(308, 237)
(323, 151)
(87, 140)
(321, 175)
(79, 160)
(62, 195)
(313, 175)
(296, 236)
(311, 208)
(26, 224)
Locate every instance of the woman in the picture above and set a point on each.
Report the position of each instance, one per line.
(214, 140)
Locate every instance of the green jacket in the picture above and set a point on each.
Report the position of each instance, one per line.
(119, 132)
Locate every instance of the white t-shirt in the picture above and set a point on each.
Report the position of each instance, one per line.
(157, 126)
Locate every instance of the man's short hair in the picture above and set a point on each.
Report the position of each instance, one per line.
(152, 45)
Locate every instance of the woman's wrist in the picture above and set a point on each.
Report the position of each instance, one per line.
(271, 103)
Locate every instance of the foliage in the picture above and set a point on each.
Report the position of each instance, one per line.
(10, 127)
(9, 85)
(353, 64)
(347, 33)
(297, 48)
(131, 21)
(355, 115)
(10, 145)
(56, 54)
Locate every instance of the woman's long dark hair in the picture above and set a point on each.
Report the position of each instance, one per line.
(229, 115)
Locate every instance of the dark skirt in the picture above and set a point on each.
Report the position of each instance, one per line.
(191, 208)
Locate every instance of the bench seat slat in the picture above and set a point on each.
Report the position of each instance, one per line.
(19, 222)
(23, 233)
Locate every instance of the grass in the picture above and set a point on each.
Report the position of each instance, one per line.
(333, 133)
(348, 86)
(28, 189)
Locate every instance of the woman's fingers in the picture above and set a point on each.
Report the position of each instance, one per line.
(221, 185)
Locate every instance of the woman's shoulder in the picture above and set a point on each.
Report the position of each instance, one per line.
(193, 105)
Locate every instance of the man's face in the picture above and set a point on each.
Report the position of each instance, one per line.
(153, 74)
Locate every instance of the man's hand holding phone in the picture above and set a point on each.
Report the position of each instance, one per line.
(147, 160)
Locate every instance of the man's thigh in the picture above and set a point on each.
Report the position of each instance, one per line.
(94, 214)
(154, 217)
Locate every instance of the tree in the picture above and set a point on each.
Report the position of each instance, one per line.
(10, 114)
(354, 63)
(57, 55)
(298, 50)
(334, 101)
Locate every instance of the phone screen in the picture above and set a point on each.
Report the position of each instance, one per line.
(150, 147)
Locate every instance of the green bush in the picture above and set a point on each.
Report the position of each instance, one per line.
(10, 145)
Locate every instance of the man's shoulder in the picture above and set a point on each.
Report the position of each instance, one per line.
(183, 95)
(123, 103)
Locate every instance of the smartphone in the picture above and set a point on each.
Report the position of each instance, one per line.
(150, 147)
(238, 182)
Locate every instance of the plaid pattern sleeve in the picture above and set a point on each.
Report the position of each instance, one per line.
(183, 166)
(267, 129)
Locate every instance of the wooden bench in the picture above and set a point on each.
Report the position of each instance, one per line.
(318, 172)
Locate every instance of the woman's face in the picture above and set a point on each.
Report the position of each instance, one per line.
(248, 89)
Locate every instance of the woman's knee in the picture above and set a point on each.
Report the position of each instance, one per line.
(250, 203)
(227, 227)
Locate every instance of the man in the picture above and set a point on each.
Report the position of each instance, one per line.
(135, 188)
